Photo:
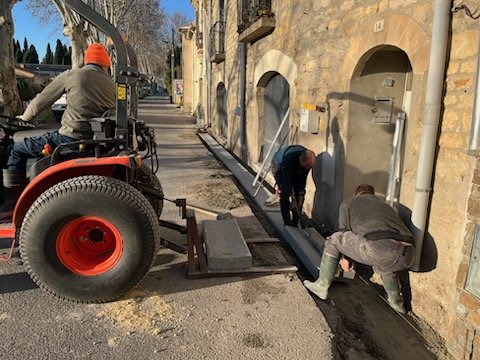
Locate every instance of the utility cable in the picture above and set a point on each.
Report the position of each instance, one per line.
(474, 15)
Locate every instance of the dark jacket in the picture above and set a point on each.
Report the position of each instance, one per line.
(372, 218)
(291, 177)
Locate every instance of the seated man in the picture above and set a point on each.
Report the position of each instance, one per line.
(290, 167)
(90, 92)
(370, 233)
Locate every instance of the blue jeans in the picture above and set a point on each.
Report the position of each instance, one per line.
(32, 147)
(386, 256)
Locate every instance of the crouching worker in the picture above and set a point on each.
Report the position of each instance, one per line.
(90, 92)
(370, 233)
(290, 167)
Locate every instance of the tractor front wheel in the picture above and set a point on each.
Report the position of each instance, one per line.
(89, 239)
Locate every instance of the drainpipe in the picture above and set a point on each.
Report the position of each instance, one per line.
(206, 51)
(474, 132)
(433, 103)
(243, 80)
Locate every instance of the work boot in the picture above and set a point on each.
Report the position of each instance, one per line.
(14, 182)
(394, 296)
(327, 270)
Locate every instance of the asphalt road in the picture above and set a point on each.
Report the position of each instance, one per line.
(169, 316)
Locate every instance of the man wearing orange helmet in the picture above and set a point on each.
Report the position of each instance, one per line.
(89, 93)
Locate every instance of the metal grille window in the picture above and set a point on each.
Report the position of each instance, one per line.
(251, 10)
(217, 42)
(473, 279)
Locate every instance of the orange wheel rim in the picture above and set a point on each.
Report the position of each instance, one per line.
(89, 246)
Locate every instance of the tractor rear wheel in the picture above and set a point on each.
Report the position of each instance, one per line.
(89, 239)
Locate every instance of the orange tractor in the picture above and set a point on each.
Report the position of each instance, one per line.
(87, 223)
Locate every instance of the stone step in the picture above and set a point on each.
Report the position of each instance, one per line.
(226, 248)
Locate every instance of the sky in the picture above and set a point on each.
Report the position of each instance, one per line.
(25, 25)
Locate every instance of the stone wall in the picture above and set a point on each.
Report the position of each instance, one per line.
(318, 45)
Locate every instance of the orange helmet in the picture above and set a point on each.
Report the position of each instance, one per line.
(96, 54)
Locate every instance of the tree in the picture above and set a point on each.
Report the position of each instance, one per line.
(78, 30)
(9, 99)
(48, 59)
(59, 53)
(140, 20)
(18, 53)
(25, 45)
(67, 55)
(30, 56)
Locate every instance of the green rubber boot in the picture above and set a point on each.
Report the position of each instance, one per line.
(394, 296)
(328, 266)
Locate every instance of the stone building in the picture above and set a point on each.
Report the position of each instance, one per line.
(384, 91)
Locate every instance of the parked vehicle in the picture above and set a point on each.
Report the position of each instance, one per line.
(144, 91)
(58, 107)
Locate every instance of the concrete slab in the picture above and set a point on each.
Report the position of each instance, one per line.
(225, 246)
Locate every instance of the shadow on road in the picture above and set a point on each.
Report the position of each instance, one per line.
(16, 282)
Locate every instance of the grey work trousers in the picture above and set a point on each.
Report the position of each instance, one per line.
(386, 256)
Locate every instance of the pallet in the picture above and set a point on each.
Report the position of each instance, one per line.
(197, 259)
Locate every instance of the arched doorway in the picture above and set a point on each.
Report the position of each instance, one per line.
(222, 109)
(380, 90)
(276, 100)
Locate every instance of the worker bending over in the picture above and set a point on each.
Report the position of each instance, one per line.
(371, 233)
(290, 167)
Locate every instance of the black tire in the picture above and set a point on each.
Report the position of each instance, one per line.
(109, 200)
(147, 178)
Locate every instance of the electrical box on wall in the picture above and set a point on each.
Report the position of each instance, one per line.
(309, 120)
(310, 117)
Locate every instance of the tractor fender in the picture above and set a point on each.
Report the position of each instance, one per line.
(66, 170)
